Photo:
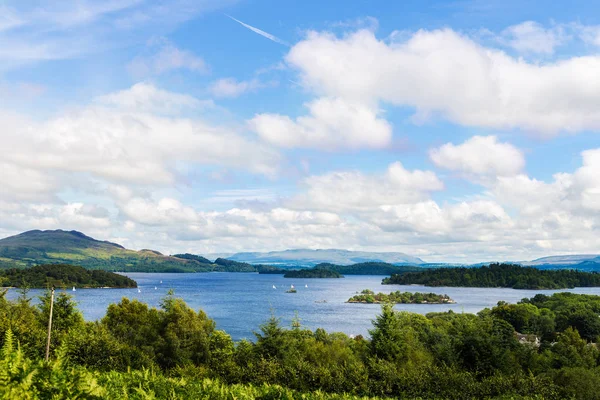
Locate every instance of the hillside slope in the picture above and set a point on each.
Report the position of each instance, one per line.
(72, 247)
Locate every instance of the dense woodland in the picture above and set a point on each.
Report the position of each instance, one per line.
(61, 276)
(369, 268)
(397, 297)
(140, 352)
(498, 275)
(316, 272)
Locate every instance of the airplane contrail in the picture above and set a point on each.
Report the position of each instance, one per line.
(260, 32)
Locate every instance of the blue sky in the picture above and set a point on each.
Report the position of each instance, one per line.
(453, 131)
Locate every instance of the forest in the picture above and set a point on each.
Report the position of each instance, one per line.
(315, 272)
(498, 275)
(61, 276)
(397, 297)
(173, 351)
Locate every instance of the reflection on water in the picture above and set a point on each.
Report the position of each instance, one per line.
(240, 302)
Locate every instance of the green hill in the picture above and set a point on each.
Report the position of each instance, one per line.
(71, 247)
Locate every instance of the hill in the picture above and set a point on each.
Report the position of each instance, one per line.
(71, 247)
(310, 258)
(62, 275)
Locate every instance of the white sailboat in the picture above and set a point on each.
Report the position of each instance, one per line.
(160, 281)
(274, 287)
(155, 288)
(139, 290)
(305, 285)
(291, 286)
(74, 289)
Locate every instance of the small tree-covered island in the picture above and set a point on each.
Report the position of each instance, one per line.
(63, 276)
(313, 273)
(367, 296)
(498, 275)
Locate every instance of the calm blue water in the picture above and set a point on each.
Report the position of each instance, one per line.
(240, 302)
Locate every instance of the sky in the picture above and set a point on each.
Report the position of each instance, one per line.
(460, 131)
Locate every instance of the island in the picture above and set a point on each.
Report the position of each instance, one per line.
(498, 275)
(63, 276)
(313, 273)
(369, 297)
(362, 268)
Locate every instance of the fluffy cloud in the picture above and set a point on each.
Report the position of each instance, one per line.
(446, 73)
(122, 138)
(333, 123)
(481, 157)
(163, 57)
(576, 194)
(230, 87)
(532, 37)
(345, 191)
(19, 216)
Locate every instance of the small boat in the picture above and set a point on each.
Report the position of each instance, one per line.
(274, 287)
(139, 290)
(160, 281)
(305, 285)
(155, 288)
(74, 289)
(291, 286)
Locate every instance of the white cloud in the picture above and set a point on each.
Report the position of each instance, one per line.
(120, 139)
(164, 57)
(75, 28)
(444, 73)
(589, 34)
(230, 87)
(355, 191)
(480, 157)
(532, 37)
(333, 123)
(145, 97)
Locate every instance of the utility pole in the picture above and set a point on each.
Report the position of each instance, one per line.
(50, 324)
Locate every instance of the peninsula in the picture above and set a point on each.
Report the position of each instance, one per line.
(63, 276)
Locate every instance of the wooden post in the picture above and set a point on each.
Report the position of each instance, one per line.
(50, 324)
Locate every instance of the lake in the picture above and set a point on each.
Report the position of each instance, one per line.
(240, 302)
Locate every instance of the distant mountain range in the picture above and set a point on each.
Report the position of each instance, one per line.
(72, 247)
(565, 260)
(309, 258)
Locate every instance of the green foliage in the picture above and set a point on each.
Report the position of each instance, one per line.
(174, 352)
(498, 275)
(62, 276)
(369, 268)
(368, 296)
(316, 272)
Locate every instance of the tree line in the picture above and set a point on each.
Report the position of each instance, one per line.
(62, 275)
(498, 275)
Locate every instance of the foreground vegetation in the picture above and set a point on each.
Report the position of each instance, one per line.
(369, 297)
(498, 275)
(62, 276)
(139, 352)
